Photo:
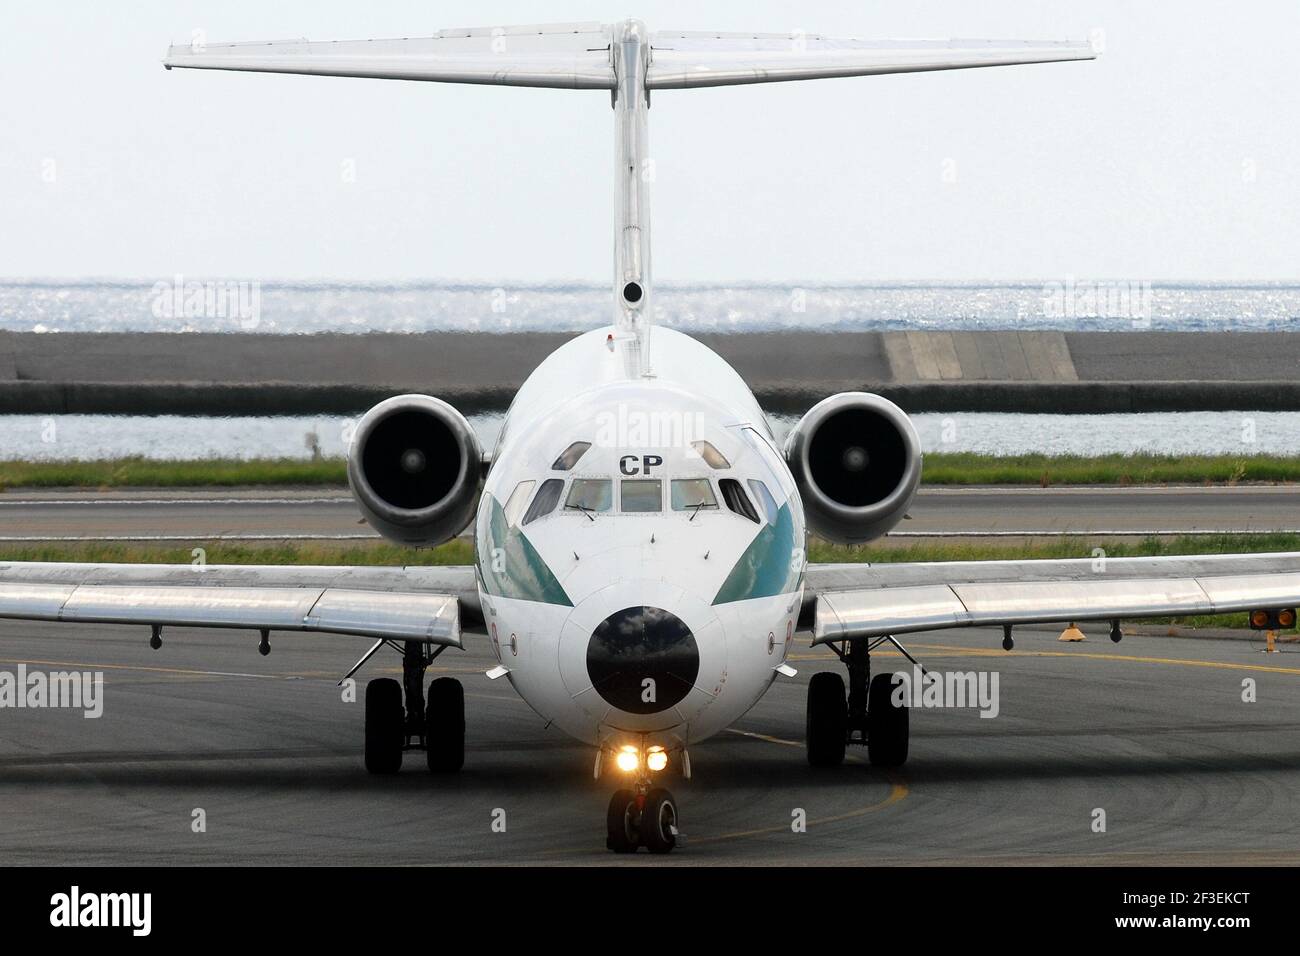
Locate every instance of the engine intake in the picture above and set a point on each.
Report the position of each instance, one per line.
(414, 469)
(857, 460)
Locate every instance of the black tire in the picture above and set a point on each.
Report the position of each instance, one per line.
(827, 720)
(659, 821)
(622, 823)
(385, 726)
(444, 725)
(887, 725)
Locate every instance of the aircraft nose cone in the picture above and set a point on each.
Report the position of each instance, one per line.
(643, 660)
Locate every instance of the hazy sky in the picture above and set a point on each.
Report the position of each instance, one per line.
(1174, 156)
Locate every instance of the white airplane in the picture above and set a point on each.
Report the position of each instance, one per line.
(639, 535)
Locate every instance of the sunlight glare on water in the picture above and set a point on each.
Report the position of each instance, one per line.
(92, 437)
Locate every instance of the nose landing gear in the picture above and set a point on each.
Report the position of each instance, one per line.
(868, 716)
(641, 815)
(659, 821)
(623, 822)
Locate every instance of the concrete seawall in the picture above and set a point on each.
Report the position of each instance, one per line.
(229, 374)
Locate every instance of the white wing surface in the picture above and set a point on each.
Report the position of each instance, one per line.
(421, 604)
(857, 600)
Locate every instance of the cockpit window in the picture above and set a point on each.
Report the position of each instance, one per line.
(734, 495)
(590, 494)
(712, 457)
(547, 498)
(780, 484)
(569, 457)
(642, 494)
(518, 499)
(693, 494)
(765, 499)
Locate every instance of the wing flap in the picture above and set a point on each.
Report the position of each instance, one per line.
(279, 608)
(1246, 591)
(1019, 602)
(846, 614)
(34, 602)
(417, 617)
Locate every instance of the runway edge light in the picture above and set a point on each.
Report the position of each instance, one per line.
(1272, 619)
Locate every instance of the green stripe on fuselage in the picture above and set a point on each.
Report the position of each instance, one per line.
(769, 565)
(510, 567)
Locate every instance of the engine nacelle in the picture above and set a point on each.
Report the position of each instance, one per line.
(414, 468)
(857, 460)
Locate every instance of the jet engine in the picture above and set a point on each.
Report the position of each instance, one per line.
(857, 461)
(414, 468)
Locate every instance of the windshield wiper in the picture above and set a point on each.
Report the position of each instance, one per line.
(583, 508)
(697, 506)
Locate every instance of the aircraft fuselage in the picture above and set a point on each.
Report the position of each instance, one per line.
(648, 592)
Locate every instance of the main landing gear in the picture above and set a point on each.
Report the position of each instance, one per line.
(436, 726)
(867, 715)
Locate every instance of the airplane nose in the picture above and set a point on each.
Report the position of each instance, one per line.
(643, 660)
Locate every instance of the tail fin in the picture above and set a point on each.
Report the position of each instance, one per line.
(628, 61)
(688, 60)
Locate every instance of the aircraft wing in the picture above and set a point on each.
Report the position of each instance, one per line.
(688, 60)
(422, 604)
(862, 601)
(561, 56)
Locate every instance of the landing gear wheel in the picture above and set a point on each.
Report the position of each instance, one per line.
(385, 726)
(659, 821)
(827, 720)
(444, 726)
(887, 725)
(622, 823)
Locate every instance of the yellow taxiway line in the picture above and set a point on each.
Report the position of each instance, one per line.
(948, 650)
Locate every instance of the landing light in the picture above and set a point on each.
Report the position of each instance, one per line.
(627, 760)
(656, 759)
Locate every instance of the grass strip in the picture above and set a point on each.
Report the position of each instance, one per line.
(944, 468)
